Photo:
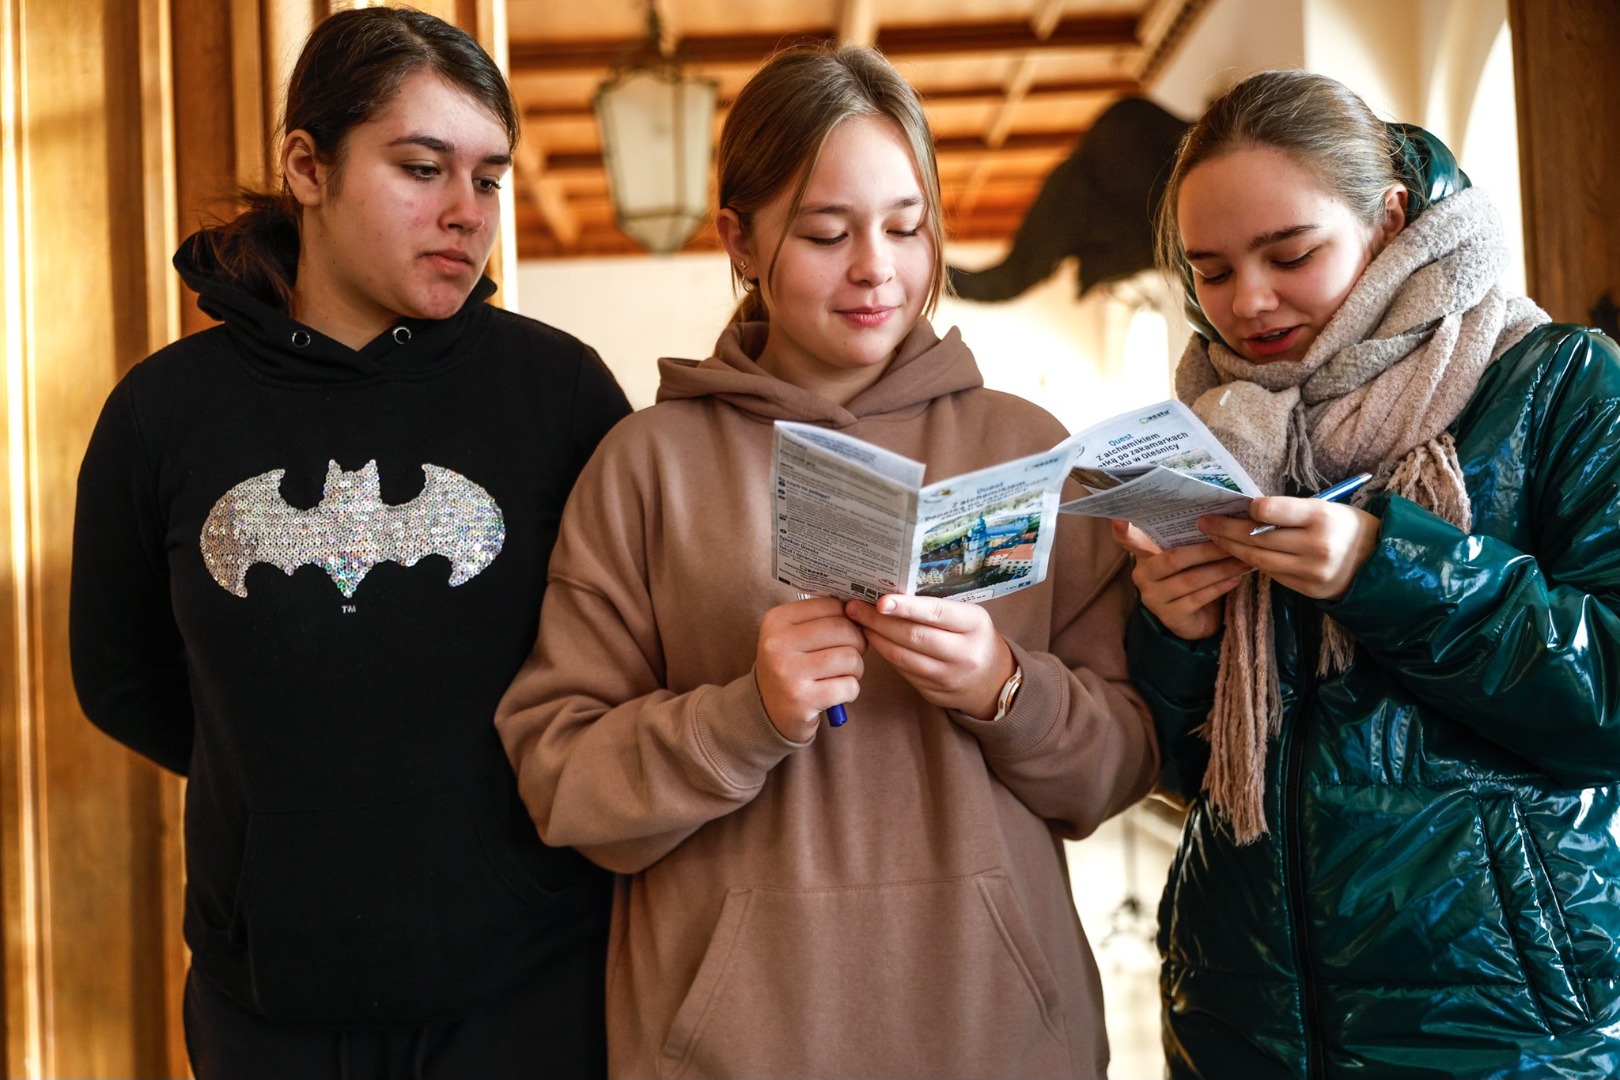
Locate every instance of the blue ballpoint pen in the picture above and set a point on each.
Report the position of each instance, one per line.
(1331, 494)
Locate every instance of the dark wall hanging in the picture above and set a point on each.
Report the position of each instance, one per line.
(1098, 205)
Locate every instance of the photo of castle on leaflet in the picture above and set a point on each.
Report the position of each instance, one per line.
(992, 545)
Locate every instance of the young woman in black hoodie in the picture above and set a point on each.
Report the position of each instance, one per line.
(310, 551)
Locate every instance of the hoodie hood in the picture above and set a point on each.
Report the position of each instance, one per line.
(285, 350)
(924, 368)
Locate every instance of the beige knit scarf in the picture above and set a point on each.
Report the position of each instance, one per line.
(1375, 393)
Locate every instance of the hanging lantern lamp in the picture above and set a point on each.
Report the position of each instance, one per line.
(656, 123)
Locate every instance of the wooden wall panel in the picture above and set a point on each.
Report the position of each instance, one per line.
(1568, 88)
(205, 122)
(87, 973)
(19, 988)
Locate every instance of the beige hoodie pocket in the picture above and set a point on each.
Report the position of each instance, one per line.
(918, 978)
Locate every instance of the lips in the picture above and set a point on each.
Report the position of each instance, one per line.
(1273, 342)
(867, 316)
(450, 260)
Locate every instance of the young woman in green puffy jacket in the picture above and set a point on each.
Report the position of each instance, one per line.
(1395, 721)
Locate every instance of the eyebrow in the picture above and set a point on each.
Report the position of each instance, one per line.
(448, 148)
(1263, 240)
(842, 208)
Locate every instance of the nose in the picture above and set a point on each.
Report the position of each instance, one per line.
(1252, 296)
(464, 211)
(873, 262)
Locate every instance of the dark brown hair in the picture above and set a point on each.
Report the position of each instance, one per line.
(350, 69)
(776, 128)
(1318, 122)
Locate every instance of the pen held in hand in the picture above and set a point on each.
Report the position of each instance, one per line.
(836, 716)
(1329, 494)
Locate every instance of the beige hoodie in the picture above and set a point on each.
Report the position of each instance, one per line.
(889, 898)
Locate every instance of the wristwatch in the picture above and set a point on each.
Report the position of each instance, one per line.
(1009, 692)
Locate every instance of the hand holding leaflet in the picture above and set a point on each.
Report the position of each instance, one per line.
(855, 521)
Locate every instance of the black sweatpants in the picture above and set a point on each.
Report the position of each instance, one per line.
(553, 1028)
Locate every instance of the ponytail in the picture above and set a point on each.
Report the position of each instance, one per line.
(258, 249)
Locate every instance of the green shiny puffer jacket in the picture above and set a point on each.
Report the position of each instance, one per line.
(1439, 894)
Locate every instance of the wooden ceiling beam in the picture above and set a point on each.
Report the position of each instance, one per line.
(1036, 91)
(857, 22)
(967, 39)
(552, 57)
(1165, 25)
(1042, 22)
(897, 43)
(984, 94)
(965, 202)
(1047, 14)
(1012, 96)
(545, 192)
(555, 208)
(585, 161)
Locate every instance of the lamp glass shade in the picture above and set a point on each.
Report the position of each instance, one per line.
(656, 129)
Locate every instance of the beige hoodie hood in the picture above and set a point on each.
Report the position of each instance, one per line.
(925, 367)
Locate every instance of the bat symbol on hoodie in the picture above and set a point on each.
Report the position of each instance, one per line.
(351, 529)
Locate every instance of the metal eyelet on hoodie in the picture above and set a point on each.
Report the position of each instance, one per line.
(300, 339)
(402, 334)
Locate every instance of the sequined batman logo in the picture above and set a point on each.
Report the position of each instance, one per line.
(351, 529)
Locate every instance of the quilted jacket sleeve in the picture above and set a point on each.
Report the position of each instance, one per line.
(1177, 678)
(1515, 631)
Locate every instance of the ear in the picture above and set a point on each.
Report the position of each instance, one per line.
(1395, 200)
(306, 176)
(734, 238)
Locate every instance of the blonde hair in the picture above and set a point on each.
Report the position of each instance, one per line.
(775, 130)
(1318, 122)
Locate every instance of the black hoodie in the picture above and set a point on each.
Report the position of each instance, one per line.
(303, 575)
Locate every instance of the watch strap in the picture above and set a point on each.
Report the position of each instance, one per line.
(1009, 693)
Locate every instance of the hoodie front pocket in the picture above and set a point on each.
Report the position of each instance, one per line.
(923, 978)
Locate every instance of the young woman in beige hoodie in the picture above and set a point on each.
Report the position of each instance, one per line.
(889, 897)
